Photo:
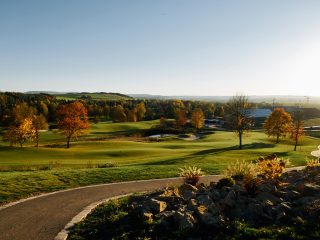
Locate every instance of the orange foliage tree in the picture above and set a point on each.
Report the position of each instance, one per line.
(182, 117)
(278, 124)
(197, 118)
(72, 120)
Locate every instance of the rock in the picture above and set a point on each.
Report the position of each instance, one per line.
(215, 195)
(253, 212)
(285, 205)
(188, 187)
(188, 191)
(184, 220)
(230, 199)
(292, 195)
(308, 189)
(281, 215)
(192, 204)
(304, 201)
(147, 216)
(155, 205)
(205, 200)
(265, 187)
(263, 196)
(224, 191)
(210, 219)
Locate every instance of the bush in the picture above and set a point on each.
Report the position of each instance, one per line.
(191, 175)
(239, 169)
(313, 162)
(106, 165)
(225, 182)
(251, 183)
(271, 167)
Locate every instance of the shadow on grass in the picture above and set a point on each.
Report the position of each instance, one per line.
(225, 149)
(206, 152)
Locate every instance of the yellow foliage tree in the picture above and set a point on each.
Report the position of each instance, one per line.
(141, 111)
(21, 133)
(278, 124)
(197, 118)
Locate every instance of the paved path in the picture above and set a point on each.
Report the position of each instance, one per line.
(42, 218)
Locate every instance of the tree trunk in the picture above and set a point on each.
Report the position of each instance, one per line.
(37, 141)
(277, 138)
(296, 144)
(68, 142)
(240, 140)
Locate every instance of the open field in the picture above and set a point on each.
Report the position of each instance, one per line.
(92, 96)
(133, 157)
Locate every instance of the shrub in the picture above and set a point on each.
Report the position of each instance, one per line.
(191, 175)
(48, 167)
(251, 183)
(90, 164)
(271, 167)
(106, 165)
(313, 162)
(225, 182)
(239, 169)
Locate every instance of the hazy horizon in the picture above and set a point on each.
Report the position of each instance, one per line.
(172, 48)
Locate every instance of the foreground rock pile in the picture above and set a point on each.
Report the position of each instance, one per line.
(293, 197)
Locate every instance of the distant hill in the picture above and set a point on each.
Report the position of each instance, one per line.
(84, 95)
(266, 98)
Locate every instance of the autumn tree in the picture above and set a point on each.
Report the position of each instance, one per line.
(20, 133)
(141, 111)
(132, 115)
(39, 123)
(182, 117)
(236, 113)
(72, 120)
(197, 118)
(21, 125)
(21, 112)
(119, 114)
(278, 124)
(297, 129)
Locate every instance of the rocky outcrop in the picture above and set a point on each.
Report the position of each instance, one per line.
(295, 194)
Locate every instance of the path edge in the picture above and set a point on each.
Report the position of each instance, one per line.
(107, 184)
(63, 234)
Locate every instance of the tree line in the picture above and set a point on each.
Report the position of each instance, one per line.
(23, 115)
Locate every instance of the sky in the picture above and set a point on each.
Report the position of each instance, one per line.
(167, 47)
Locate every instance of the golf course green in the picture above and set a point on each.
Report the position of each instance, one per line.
(113, 152)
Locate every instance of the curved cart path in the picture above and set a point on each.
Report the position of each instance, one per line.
(45, 216)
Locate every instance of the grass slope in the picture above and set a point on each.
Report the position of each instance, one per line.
(134, 158)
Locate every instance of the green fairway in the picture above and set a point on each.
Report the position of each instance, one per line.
(133, 157)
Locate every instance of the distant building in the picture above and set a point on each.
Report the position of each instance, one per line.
(259, 113)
